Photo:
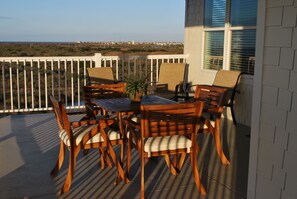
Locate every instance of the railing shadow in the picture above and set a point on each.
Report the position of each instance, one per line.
(30, 148)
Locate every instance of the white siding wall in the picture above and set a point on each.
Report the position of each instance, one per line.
(276, 161)
(197, 75)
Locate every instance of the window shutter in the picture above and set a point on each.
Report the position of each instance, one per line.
(243, 50)
(214, 50)
(243, 13)
(215, 13)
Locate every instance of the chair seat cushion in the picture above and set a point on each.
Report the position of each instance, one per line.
(136, 119)
(155, 144)
(80, 132)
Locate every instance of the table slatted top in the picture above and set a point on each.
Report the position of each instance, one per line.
(124, 104)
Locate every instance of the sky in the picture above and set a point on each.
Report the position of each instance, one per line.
(91, 20)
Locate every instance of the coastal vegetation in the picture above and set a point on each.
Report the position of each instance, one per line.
(35, 49)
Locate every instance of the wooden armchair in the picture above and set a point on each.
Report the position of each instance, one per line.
(85, 134)
(166, 130)
(229, 80)
(214, 100)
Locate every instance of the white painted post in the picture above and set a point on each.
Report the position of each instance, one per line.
(97, 59)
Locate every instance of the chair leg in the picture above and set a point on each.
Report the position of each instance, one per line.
(170, 165)
(122, 152)
(175, 159)
(181, 161)
(197, 179)
(71, 168)
(233, 114)
(128, 163)
(121, 173)
(218, 144)
(142, 176)
(107, 158)
(60, 159)
(102, 157)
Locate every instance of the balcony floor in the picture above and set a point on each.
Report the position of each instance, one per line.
(29, 148)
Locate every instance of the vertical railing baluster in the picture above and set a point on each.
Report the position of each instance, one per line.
(25, 86)
(11, 88)
(65, 86)
(52, 71)
(117, 69)
(3, 85)
(85, 70)
(32, 84)
(123, 69)
(59, 79)
(45, 83)
(18, 85)
(152, 71)
(156, 69)
(78, 83)
(39, 83)
(72, 86)
(129, 72)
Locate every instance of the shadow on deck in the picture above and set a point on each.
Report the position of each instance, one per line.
(29, 149)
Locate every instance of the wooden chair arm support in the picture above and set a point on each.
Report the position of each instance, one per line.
(106, 122)
(131, 124)
(83, 122)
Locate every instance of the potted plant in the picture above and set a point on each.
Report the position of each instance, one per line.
(136, 88)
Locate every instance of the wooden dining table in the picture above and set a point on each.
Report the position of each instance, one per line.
(124, 105)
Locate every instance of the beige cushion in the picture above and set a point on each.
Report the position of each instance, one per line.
(78, 134)
(155, 144)
(136, 119)
(171, 74)
(226, 78)
(101, 75)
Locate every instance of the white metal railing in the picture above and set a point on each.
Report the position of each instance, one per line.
(26, 82)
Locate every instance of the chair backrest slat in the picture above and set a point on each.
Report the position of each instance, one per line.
(213, 96)
(170, 119)
(104, 91)
(61, 117)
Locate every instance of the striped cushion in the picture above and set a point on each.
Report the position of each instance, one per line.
(136, 119)
(155, 144)
(80, 132)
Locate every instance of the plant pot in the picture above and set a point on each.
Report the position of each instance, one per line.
(136, 98)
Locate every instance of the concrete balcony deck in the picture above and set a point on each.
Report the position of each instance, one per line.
(29, 148)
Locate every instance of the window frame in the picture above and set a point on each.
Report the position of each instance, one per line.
(227, 28)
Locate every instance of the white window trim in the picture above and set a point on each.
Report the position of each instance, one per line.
(227, 37)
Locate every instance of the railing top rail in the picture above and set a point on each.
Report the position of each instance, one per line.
(59, 58)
